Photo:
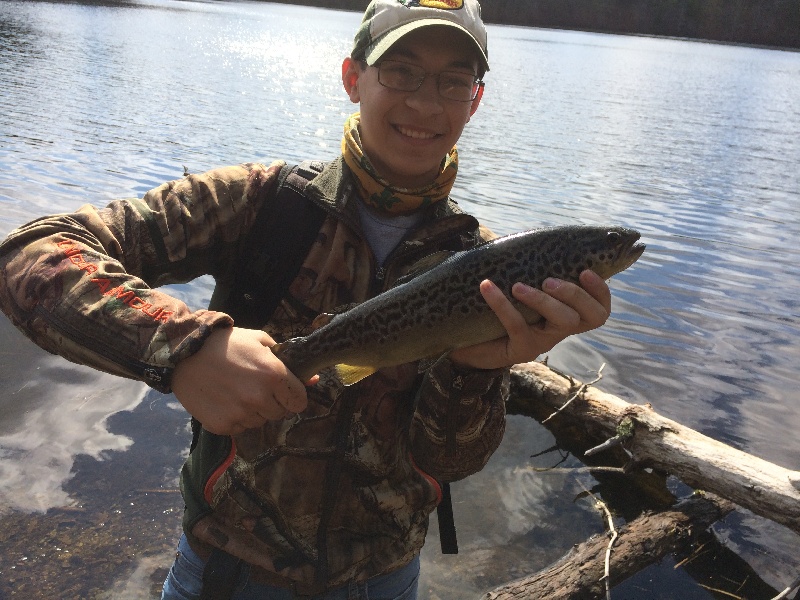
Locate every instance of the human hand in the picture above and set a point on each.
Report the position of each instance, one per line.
(566, 309)
(234, 382)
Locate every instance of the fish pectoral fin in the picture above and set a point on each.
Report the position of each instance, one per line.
(431, 361)
(424, 265)
(321, 320)
(350, 374)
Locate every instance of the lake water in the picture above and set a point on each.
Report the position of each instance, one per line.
(696, 145)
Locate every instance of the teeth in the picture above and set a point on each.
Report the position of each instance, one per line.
(419, 135)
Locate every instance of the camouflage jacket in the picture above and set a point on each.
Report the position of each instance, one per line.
(340, 492)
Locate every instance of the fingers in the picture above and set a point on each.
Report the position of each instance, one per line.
(234, 382)
(289, 393)
(265, 339)
(597, 288)
(509, 316)
(576, 308)
(247, 415)
(524, 341)
(537, 320)
(281, 392)
(541, 318)
(251, 415)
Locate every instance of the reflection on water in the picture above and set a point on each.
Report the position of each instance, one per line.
(38, 456)
(696, 145)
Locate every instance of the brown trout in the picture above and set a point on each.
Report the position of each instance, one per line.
(442, 308)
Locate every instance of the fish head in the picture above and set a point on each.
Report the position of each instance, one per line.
(569, 250)
(606, 250)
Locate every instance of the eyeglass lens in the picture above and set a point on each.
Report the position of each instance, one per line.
(405, 77)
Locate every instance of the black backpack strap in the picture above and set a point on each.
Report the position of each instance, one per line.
(281, 237)
(220, 576)
(447, 524)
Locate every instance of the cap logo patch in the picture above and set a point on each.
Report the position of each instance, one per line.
(441, 4)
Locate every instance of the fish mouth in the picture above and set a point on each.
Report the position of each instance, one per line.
(630, 250)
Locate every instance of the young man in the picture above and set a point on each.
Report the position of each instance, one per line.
(304, 488)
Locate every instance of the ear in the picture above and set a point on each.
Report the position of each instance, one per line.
(477, 100)
(351, 70)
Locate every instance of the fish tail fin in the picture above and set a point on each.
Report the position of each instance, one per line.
(350, 374)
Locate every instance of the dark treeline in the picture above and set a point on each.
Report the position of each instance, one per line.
(757, 22)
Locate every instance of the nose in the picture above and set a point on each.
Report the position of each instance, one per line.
(426, 99)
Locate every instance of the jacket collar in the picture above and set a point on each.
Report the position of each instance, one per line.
(445, 225)
(333, 188)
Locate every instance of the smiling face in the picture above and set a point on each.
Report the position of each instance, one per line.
(407, 134)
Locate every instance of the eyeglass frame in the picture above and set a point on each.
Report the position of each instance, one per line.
(477, 82)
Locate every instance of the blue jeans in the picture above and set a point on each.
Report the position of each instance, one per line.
(185, 580)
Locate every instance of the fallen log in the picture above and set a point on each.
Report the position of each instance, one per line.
(654, 441)
(640, 543)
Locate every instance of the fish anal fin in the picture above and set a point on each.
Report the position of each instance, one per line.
(350, 374)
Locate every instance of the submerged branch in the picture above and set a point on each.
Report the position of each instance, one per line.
(762, 487)
(640, 543)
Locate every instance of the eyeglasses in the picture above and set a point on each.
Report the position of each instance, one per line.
(405, 77)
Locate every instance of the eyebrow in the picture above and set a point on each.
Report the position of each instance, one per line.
(410, 54)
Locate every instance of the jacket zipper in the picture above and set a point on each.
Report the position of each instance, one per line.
(380, 274)
(401, 251)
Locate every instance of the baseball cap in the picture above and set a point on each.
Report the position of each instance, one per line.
(386, 21)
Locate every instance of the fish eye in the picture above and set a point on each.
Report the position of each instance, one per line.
(614, 237)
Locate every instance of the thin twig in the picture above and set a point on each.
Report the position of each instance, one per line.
(552, 448)
(607, 575)
(578, 393)
(743, 584)
(719, 591)
(571, 470)
(699, 551)
(609, 443)
(625, 431)
(602, 505)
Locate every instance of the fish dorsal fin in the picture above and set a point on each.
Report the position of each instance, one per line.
(425, 264)
(350, 374)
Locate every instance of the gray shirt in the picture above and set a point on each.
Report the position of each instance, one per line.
(384, 232)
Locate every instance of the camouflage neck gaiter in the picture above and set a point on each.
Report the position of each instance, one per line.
(377, 193)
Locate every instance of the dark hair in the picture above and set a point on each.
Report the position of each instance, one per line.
(361, 59)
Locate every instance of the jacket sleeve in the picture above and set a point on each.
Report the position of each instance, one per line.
(459, 421)
(81, 285)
